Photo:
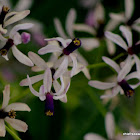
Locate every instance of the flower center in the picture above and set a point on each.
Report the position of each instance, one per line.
(100, 30)
(4, 11)
(75, 44)
(11, 114)
(8, 45)
(129, 92)
(135, 49)
(49, 106)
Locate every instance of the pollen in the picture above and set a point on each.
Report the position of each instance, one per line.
(130, 93)
(76, 42)
(3, 52)
(12, 114)
(5, 8)
(49, 113)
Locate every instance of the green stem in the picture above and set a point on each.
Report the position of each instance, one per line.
(103, 64)
(12, 133)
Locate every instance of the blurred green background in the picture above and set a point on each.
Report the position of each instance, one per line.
(85, 111)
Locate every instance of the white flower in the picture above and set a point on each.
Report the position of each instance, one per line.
(14, 38)
(132, 49)
(7, 113)
(120, 85)
(97, 30)
(65, 53)
(126, 16)
(7, 18)
(110, 130)
(45, 93)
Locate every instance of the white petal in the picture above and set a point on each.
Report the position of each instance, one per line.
(81, 59)
(125, 70)
(42, 96)
(127, 34)
(110, 47)
(17, 39)
(22, 58)
(101, 85)
(2, 128)
(2, 38)
(129, 7)
(61, 40)
(62, 68)
(36, 69)
(5, 57)
(49, 49)
(2, 30)
(33, 79)
(20, 27)
(18, 16)
(61, 88)
(137, 60)
(117, 17)
(84, 28)
(89, 43)
(37, 60)
(17, 124)
(136, 27)
(110, 126)
(23, 4)
(70, 22)
(132, 75)
(93, 136)
(31, 88)
(59, 28)
(6, 96)
(112, 63)
(74, 60)
(17, 107)
(47, 81)
(116, 39)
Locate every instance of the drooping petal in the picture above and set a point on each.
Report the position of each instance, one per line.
(89, 43)
(62, 68)
(116, 39)
(5, 57)
(112, 63)
(110, 126)
(101, 85)
(110, 47)
(18, 16)
(17, 39)
(132, 75)
(37, 60)
(22, 58)
(20, 27)
(47, 81)
(74, 60)
(59, 28)
(17, 107)
(127, 34)
(17, 124)
(84, 28)
(2, 128)
(42, 96)
(93, 136)
(31, 88)
(6, 96)
(70, 22)
(49, 49)
(129, 7)
(33, 79)
(125, 70)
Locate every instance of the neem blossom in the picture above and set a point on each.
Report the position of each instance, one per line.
(126, 16)
(110, 130)
(46, 92)
(132, 49)
(120, 85)
(14, 39)
(98, 28)
(7, 18)
(66, 54)
(8, 114)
